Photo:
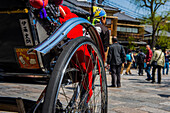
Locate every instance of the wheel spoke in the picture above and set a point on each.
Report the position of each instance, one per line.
(81, 81)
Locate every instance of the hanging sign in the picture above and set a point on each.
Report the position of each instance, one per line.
(26, 32)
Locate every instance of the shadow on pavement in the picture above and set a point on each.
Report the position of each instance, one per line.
(164, 95)
(164, 83)
(23, 80)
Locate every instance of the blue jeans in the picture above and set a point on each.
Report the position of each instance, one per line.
(167, 68)
(147, 70)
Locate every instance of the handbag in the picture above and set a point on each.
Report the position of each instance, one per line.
(154, 63)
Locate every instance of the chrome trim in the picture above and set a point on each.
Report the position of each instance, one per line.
(60, 33)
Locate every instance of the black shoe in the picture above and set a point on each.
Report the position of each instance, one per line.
(111, 86)
(159, 82)
(126, 73)
(148, 79)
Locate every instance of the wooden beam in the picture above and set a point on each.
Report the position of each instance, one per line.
(8, 107)
(131, 25)
(112, 17)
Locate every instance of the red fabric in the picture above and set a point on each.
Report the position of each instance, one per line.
(82, 54)
(77, 31)
(38, 3)
(85, 64)
(149, 55)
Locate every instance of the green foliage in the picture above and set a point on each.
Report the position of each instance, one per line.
(154, 17)
(164, 42)
(144, 49)
(130, 39)
(131, 44)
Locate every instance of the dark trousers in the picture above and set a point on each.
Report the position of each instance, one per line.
(141, 66)
(115, 72)
(159, 73)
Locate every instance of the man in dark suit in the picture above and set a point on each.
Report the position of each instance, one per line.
(115, 58)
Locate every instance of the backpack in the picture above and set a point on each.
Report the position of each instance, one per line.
(128, 57)
(140, 58)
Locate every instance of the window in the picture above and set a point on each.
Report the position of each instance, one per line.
(127, 29)
(123, 29)
(108, 21)
(135, 30)
(118, 28)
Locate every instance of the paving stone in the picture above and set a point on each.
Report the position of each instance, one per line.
(135, 96)
(166, 103)
(128, 110)
(151, 105)
(153, 110)
(115, 102)
(167, 108)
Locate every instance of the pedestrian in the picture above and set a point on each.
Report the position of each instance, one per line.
(129, 60)
(149, 55)
(115, 58)
(103, 31)
(122, 68)
(140, 62)
(166, 66)
(157, 61)
(134, 63)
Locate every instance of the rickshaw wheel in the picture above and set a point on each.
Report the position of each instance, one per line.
(78, 81)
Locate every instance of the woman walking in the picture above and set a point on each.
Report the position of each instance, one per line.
(129, 59)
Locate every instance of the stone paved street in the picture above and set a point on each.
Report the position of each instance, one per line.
(139, 96)
(135, 96)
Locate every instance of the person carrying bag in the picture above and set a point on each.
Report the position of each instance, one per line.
(157, 61)
(154, 63)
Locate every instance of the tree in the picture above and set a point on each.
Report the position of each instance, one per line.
(163, 40)
(154, 18)
(131, 44)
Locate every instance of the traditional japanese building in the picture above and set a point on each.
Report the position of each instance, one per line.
(129, 30)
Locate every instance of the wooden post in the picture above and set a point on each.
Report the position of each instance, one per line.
(115, 26)
(20, 105)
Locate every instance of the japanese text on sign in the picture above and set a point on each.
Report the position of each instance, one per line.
(26, 32)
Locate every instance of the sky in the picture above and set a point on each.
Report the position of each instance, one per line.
(131, 9)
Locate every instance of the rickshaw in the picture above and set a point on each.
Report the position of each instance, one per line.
(31, 45)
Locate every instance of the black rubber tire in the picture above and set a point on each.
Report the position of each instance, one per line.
(57, 75)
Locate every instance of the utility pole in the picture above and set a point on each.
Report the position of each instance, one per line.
(91, 16)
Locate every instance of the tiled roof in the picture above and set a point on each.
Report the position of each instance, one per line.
(88, 4)
(74, 8)
(123, 16)
(148, 29)
(135, 42)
